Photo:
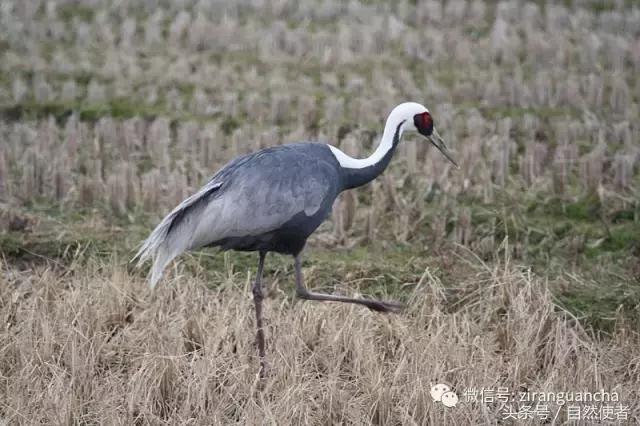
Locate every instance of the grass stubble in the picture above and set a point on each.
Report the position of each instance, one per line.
(91, 344)
(112, 112)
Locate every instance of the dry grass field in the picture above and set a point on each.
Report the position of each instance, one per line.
(92, 345)
(520, 271)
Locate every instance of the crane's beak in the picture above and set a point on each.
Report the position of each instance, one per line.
(438, 142)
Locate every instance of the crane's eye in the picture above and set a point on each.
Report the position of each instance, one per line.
(424, 123)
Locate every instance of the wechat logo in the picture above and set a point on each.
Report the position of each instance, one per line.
(443, 393)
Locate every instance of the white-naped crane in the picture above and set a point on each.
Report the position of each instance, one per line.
(273, 199)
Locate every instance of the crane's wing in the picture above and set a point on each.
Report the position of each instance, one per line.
(252, 195)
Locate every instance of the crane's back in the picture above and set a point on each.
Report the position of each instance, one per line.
(271, 200)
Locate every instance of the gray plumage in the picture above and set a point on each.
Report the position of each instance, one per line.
(251, 204)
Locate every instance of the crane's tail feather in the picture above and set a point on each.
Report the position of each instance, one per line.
(174, 234)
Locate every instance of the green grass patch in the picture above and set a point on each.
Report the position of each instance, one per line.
(562, 239)
(120, 108)
(67, 12)
(599, 304)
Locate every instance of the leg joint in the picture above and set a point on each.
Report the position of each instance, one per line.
(257, 292)
(302, 293)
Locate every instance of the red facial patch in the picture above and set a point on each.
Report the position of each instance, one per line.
(424, 123)
(427, 121)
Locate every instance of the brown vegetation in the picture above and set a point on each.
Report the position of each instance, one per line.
(94, 345)
(113, 112)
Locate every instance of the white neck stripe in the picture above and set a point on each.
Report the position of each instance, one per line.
(402, 113)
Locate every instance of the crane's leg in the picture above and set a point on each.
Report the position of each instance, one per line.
(258, 296)
(303, 293)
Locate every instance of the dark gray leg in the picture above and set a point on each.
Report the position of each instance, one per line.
(257, 299)
(303, 293)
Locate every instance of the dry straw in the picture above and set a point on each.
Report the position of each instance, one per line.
(536, 101)
(86, 346)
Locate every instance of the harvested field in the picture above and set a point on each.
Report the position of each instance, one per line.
(519, 271)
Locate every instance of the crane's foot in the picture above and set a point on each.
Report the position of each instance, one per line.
(379, 306)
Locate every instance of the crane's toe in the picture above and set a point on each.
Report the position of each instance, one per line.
(380, 306)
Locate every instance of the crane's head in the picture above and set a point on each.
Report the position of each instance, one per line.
(418, 118)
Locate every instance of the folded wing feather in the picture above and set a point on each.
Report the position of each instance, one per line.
(248, 197)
